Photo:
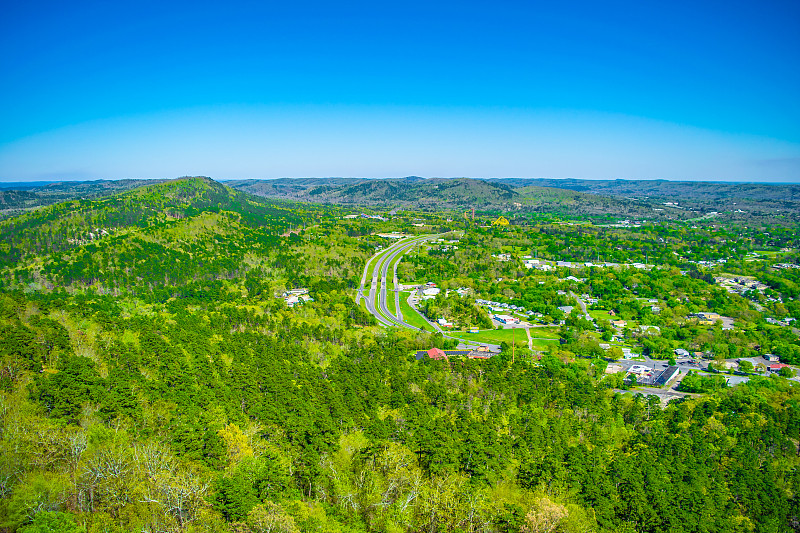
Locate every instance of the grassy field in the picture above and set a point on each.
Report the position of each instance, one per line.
(547, 333)
(601, 315)
(370, 266)
(543, 344)
(493, 336)
(390, 302)
(542, 337)
(410, 316)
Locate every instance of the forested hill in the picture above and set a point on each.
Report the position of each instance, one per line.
(18, 197)
(409, 192)
(622, 198)
(754, 198)
(157, 235)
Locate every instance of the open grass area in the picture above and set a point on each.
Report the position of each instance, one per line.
(390, 302)
(601, 315)
(370, 266)
(543, 344)
(547, 333)
(410, 316)
(494, 336)
(542, 337)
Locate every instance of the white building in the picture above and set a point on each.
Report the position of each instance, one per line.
(506, 319)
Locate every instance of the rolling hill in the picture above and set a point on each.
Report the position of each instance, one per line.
(163, 234)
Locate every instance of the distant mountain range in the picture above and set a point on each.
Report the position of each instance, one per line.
(626, 198)
(615, 197)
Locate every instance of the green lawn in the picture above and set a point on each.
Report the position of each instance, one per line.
(369, 267)
(542, 344)
(390, 302)
(601, 315)
(493, 336)
(547, 333)
(410, 316)
(542, 337)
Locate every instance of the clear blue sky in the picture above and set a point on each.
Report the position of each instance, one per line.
(673, 90)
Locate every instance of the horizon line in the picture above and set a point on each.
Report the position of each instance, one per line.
(6, 184)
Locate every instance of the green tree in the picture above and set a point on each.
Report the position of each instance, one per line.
(52, 522)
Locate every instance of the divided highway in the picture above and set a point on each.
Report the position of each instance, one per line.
(379, 265)
(376, 299)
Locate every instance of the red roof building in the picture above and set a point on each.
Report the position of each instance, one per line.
(437, 354)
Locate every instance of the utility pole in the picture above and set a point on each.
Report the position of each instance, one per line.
(513, 343)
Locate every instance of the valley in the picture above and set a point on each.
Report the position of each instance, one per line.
(346, 367)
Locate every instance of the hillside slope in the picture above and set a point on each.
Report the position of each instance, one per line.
(158, 235)
(16, 198)
(439, 193)
(412, 192)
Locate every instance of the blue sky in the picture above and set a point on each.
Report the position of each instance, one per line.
(672, 90)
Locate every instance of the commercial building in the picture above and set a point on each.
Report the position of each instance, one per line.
(506, 319)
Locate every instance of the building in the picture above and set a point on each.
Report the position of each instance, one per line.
(680, 352)
(506, 319)
(772, 358)
(296, 296)
(437, 354)
(706, 317)
(667, 375)
(297, 292)
(776, 367)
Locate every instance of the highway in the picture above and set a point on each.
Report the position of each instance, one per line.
(376, 299)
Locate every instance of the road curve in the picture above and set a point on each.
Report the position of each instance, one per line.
(376, 300)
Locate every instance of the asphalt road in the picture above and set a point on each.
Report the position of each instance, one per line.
(582, 305)
(376, 300)
(384, 318)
